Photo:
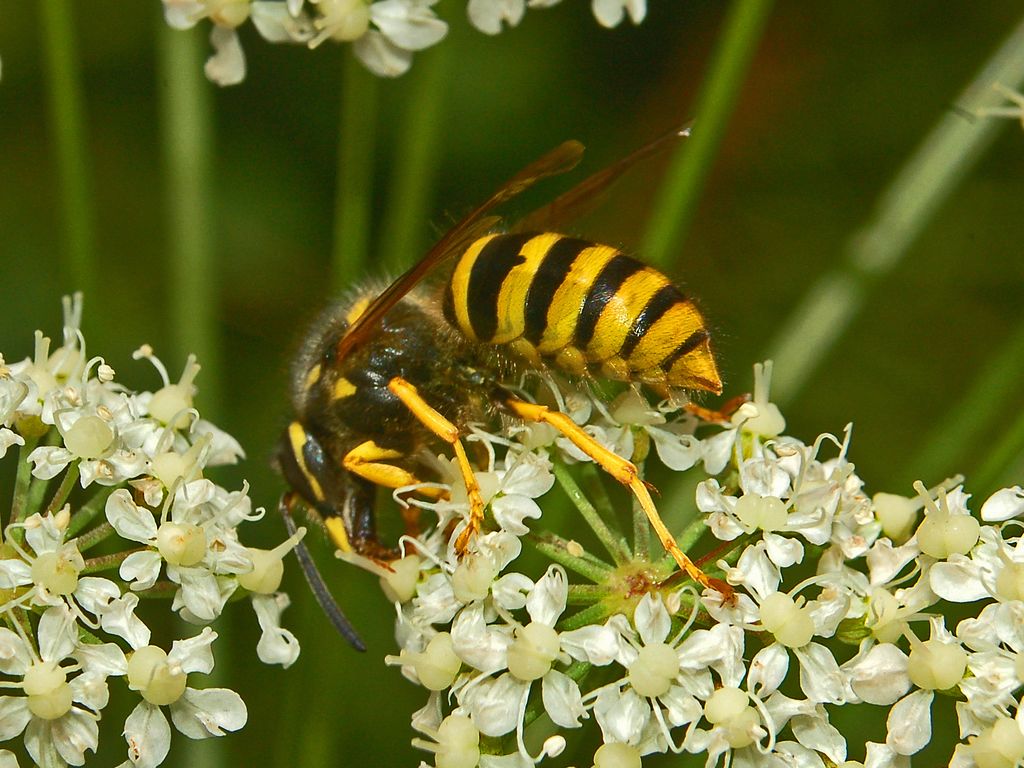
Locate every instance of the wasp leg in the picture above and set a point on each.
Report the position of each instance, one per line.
(448, 432)
(315, 580)
(622, 470)
(721, 415)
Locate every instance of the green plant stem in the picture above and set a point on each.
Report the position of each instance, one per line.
(66, 114)
(162, 590)
(608, 538)
(592, 615)
(415, 162)
(64, 489)
(86, 513)
(557, 548)
(108, 562)
(676, 201)
(354, 196)
(20, 501)
(90, 539)
(186, 116)
(587, 594)
(922, 186)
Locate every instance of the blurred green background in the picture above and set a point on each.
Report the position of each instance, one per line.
(836, 100)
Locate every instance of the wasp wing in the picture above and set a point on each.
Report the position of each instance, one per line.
(562, 158)
(585, 196)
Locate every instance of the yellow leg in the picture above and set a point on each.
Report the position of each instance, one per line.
(622, 470)
(369, 461)
(448, 432)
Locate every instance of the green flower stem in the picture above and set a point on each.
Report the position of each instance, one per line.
(416, 161)
(611, 542)
(20, 501)
(36, 492)
(89, 539)
(592, 615)
(557, 548)
(692, 533)
(108, 562)
(66, 113)
(88, 511)
(675, 205)
(63, 490)
(186, 116)
(162, 590)
(587, 594)
(353, 203)
(991, 394)
(641, 533)
(927, 180)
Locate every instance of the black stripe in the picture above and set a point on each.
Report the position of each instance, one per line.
(492, 265)
(696, 339)
(660, 303)
(549, 276)
(607, 283)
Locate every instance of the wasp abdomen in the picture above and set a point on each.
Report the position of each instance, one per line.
(581, 306)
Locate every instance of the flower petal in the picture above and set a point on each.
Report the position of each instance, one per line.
(210, 712)
(148, 735)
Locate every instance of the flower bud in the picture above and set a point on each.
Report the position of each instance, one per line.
(790, 624)
(766, 513)
(181, 543)
(49, 695)
(935, 665)
(617, 755)
(458, 743)
(89, 437)
(654, 670)
(151, 675)
(532, 651)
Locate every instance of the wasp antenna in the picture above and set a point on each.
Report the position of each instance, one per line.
(316, 584)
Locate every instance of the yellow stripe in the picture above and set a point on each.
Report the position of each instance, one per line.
(343, 388)
(671, 330)
(621, 312)
(696, 370)
(568, 300)
(297, 440)
(336, 528)
(460, 284)
(511, 305)
(312, 377)
(357, 309)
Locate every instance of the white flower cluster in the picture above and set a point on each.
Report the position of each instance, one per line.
(144, 515)
(835, 601)
(384, 33)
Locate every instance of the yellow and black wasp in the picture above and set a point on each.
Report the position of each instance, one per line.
(386, 373)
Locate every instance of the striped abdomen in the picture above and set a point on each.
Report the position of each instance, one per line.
(582, 307)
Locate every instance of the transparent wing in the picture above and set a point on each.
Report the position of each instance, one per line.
(562, 158)
(583, 197)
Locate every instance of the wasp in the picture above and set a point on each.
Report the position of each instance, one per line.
(386, 373)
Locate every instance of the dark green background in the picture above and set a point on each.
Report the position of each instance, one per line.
(837, 98)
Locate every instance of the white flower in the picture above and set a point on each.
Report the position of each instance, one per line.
(489, 15)
(611, 12)
(55, 728)
(161, 678)
(530, 652)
